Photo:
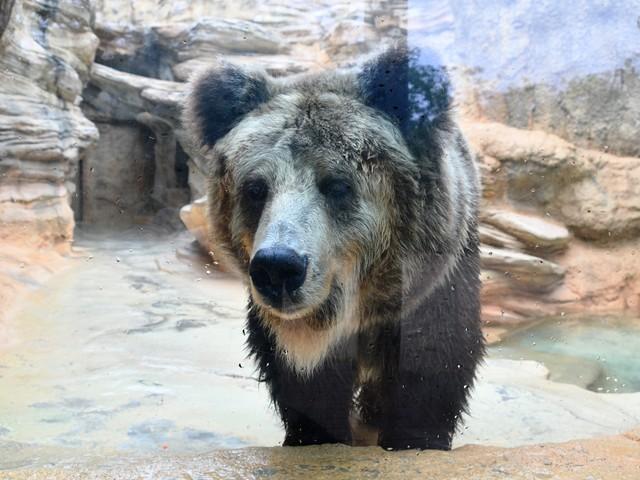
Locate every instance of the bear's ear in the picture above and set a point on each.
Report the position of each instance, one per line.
(410, 91)
(219, 98)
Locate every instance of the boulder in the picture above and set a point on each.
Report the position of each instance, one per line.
(492, 236)
(351, 38)
(171, 50)
(194, 217)
(537, 233)
(113, 95)
(594, 194)
(528, 273)
(208, 37)
(595, 111)
(276, 65)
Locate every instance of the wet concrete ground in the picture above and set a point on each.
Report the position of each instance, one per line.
(136, 352)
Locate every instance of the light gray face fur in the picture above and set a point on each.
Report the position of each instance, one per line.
(285, 146)
(390, 235)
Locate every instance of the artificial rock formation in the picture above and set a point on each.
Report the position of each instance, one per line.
(561, 223)
(46, 52)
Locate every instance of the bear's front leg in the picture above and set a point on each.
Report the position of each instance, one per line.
(423, 412)
(412, 410)
(314, 408)
(418, 384)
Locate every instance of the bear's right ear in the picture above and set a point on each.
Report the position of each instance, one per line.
(413, 92)
(219, 98)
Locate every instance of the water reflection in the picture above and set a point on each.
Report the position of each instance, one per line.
(599, 353)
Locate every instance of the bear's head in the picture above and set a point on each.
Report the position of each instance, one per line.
(327, 192)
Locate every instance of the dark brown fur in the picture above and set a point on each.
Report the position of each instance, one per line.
(376, 186)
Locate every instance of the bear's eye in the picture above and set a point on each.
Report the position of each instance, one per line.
(335, 188)
(256, 190)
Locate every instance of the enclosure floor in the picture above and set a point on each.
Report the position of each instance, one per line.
(136, 351)
(616, 458)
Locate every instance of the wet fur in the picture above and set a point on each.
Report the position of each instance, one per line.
(391, 330)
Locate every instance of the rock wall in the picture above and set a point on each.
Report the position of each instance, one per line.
(570, 68)
(46, 52)
(560, 225)
(146, 55)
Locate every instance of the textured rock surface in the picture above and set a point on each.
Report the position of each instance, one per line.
(119, 96)
(532, 274)
(612, 458)
(538, 234)
(194, 217)
(577, 208)
(537, 189)
(598, 110)
(118, 174)
(594, 193)
(46, 53)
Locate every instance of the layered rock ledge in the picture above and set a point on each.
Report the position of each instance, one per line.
(46, 52)
(610, 458)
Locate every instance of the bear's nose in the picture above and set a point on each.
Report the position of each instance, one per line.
(276, 269)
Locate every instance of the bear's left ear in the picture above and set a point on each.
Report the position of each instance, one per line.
(411, 92)
(219, 98)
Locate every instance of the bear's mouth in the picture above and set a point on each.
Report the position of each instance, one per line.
(318, 317)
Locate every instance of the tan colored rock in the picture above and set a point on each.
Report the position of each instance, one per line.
(497, 238)
(539, 234)
(494, 184)
(276, 65)
(595, 194)
(601, 278)
(45, 58)
(528, 273)
(211, 36)
(118, 96)
(194, 217)
(351, 38)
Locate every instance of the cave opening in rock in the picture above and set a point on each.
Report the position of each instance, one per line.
(115, 182)
(181, 167)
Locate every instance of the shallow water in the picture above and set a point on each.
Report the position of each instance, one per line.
(601, 353)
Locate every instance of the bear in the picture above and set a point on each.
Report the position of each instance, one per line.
(347, 201)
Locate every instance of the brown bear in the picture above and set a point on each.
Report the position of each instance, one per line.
(347, 201)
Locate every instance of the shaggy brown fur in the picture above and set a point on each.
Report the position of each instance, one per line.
(365, 181)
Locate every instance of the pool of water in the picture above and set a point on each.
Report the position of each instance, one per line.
(600, 353)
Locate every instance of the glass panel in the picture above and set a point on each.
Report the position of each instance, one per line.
(397, 224)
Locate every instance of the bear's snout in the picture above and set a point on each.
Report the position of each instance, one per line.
(277, 269)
